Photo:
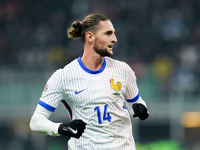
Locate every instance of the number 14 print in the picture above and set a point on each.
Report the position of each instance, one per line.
(106, 115)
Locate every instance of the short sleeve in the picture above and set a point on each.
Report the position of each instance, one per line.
(53, 92)
(132, 91)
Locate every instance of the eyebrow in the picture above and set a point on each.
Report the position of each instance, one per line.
(109, 32)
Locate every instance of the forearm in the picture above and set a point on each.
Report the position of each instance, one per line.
(41, 124)
(139, 101)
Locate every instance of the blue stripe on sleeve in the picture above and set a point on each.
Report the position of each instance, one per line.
(134, 99)
(48, 107)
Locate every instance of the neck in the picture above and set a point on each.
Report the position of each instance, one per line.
(92, 60)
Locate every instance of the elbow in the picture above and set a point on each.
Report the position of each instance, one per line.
(31, 124)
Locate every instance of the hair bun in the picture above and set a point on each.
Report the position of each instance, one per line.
(77, 25)
(75, 30)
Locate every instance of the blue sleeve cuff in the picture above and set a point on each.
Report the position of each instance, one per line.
(48, 107)
(134, 99)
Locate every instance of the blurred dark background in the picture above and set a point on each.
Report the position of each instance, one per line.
(159, 39)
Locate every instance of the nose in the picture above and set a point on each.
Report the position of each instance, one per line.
(114, 40)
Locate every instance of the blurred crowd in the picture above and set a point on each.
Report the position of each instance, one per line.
(163, 34)
(160, 39)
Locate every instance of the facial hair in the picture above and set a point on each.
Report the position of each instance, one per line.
(102, 51)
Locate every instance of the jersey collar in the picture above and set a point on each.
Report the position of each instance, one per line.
(91, 71)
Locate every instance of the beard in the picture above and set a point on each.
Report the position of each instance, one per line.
(102, 51)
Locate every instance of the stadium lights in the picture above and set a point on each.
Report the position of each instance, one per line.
(190, 120)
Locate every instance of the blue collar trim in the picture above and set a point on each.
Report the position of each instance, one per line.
(91, 71)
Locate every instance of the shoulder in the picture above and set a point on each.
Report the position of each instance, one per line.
(59, 72)
(73, 64)
(119, 65)
(115, 62)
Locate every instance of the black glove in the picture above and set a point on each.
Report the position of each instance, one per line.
(74, 129)
(140, 111)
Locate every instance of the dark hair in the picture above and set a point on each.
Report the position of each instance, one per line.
(90, 23)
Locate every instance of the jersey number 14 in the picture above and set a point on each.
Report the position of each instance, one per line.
(106, 115)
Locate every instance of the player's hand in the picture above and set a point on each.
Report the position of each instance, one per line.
(74, 129)
(140, 111)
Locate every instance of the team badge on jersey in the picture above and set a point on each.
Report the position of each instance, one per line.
(45, 88)
(116, 87)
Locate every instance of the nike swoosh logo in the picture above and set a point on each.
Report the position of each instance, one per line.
(77, 92)
(70, 129)
(73, 131)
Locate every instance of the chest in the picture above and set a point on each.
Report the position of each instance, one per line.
(86, 90)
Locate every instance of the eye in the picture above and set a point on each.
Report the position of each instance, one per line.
(109, 32)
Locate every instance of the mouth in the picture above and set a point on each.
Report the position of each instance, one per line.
(110, 46)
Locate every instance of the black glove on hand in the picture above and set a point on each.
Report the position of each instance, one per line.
(140, 111)
(74, 129)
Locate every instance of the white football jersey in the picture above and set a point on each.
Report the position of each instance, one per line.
(96, 97)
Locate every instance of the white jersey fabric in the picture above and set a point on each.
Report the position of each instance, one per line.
(96, 97)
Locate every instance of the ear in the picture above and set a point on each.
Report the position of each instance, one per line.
(89, 36)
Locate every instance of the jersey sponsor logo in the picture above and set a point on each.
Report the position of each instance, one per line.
(115, 86)
(78, 92)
